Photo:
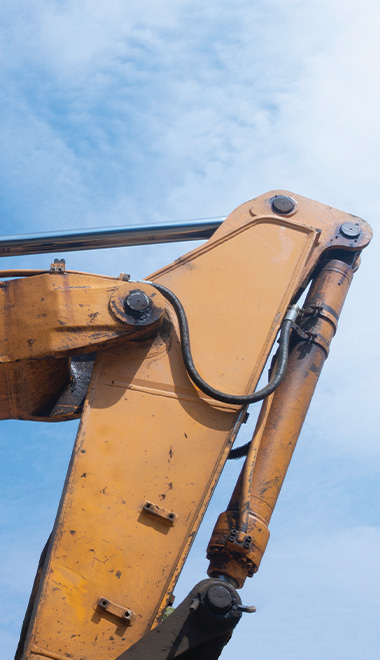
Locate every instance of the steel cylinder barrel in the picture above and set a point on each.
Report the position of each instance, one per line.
(238, 554)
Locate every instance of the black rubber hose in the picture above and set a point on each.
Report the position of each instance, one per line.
(239, 452)
(279, 371)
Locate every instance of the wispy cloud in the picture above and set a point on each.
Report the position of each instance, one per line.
(118, 114)
(224, 98)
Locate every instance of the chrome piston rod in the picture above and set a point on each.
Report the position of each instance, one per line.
(96, 239)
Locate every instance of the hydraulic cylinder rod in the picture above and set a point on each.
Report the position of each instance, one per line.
(96, 239)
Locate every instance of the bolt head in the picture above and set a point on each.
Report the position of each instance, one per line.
(350, 230)
(283, 204)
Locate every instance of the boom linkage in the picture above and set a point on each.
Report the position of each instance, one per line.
(161, 403)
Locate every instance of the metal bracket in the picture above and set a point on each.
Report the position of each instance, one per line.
(120, 612)
(312, 337)
(323, 311)
(58, 266)
(169, 517)
(197, 629)
(315, 311)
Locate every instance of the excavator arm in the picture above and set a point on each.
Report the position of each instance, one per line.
(161, 373)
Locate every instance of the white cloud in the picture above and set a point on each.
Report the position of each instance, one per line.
(117, 114)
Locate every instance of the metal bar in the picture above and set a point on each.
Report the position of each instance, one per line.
(96, 239)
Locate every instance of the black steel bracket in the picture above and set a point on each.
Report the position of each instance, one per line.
(198, 629)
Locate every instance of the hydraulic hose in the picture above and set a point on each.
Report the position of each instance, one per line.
(281, 357)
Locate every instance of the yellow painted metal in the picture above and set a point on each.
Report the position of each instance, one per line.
(57, 314)
(279, 428)
(148, 435)
(46, 318)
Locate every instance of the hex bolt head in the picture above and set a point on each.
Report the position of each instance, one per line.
(137, 302)
(283, 204)
(219, 599)
(349, 230)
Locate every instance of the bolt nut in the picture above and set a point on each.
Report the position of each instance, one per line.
(350, 230)
(283, 204)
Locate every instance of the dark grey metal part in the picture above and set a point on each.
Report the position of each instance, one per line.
(96, 239)
(350, 230)
(283, 204)
(226, 578)
(137, 302)
(219, 598)
(248, 609)
(70, 402)
(193, 631)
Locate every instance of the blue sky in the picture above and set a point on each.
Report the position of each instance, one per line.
(114, 114)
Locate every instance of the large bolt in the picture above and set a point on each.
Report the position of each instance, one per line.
(283, 204)
(219, 599)
(349, 230)
(137, 302)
